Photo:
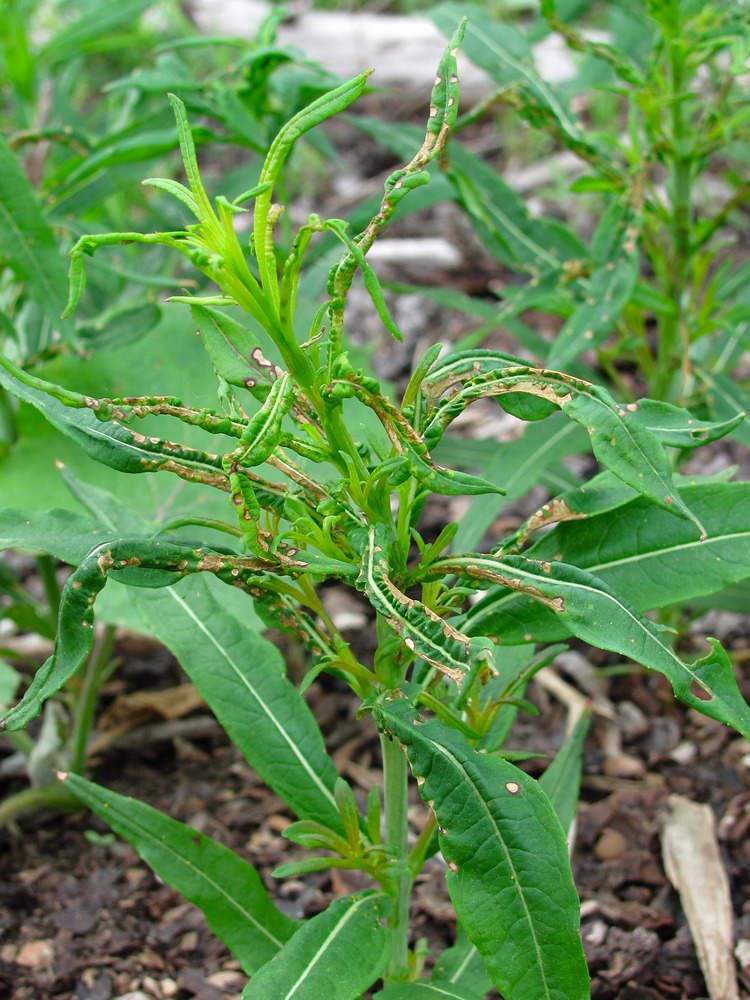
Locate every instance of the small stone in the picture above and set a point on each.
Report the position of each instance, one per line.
(611, 844)
(189, 941)
(623, 765)
(595, 932)
(684, 752)
(35, 954)
(228, 981)
(633, 721)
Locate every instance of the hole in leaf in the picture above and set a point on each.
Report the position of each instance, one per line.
(700, 692)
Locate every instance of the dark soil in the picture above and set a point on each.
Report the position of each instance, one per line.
(82, 917)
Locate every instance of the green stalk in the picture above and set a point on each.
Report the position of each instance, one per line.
(52, 797)
(8, 428)
(395, 781)
(674, 333)
(94, 672)
(48, 575)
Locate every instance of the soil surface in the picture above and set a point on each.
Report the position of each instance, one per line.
(82, 917)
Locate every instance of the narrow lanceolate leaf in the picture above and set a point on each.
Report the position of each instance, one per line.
(607, 293)
(505, 54)
(240, 675)
(263, 433)
(652, 559)
(230, 345)
(508, 870)
(503, 222)
(160, 562)
(462, 967)
(729, 400)
(648, 557)
(444, 97)
(203, 208)
(318, 111)
(422, 631)
(64, 534)
(219, 882)
(562, 779)
(426, 990)
(610, 287)
(678, 428)
(242, 678)
(28, 245)
(620, 442)
(594, 612)
(372, 284)
(108, 442)
(337, 955)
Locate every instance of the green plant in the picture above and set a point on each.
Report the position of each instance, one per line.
(655, 299)
(357, 473)
(82, 114)
(659, 286)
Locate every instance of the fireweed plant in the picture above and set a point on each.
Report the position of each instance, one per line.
(317, 498)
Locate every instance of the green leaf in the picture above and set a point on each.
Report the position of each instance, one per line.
(125, 322)
(728, 400)
(262, 435)
(86, 32)
(241, 677)
(607, 293)
(503, 222)
(619, 441)
(508, 870)
(108, 443)
(422, 631)
(229, 345)
(223, 885)
(370, 278)
(28, 245)
(336, 955)
(561, 781)
(239, 674)
(426, 990)
(504, 53)
(444, 97)
(652, 559)
(461, 966)
(678, 428)
(64, 534)
(318, 111)
(594, 612)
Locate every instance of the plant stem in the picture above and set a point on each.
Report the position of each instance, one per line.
(96, 665)
(52, 797)
(395, 780)
(48, 576)
(674, 333)
(20, 741)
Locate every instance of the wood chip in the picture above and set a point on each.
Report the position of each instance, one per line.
(694, 866)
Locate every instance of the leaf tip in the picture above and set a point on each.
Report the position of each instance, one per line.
(62, 775)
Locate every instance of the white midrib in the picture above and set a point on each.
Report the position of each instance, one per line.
(304, 763)
(324, 945)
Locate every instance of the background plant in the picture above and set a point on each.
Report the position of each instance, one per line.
(655, 298)
(83, 117)
(356, 473)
